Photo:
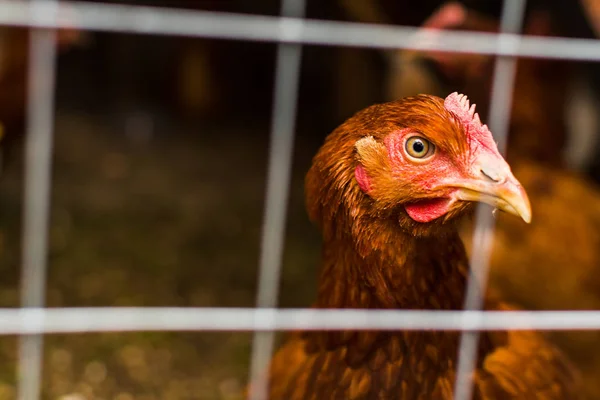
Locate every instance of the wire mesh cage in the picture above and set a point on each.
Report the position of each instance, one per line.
(290, 31)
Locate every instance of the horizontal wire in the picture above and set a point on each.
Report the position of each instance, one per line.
(169, 21)
(128, 319)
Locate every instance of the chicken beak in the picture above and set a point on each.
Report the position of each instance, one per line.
(494, 184)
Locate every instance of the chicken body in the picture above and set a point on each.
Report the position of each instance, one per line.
(409, 365)
(388, 221)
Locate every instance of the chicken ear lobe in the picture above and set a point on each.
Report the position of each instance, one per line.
(373, 172)
(372, 157)
(369, 151)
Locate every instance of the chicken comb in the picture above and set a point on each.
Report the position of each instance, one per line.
(460, 106)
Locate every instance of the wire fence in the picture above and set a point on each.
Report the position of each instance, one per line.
(290, 31)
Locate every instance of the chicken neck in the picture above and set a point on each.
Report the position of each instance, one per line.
(406, 272)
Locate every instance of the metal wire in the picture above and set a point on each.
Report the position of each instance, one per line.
(287, 78)
(16, 321)
(290, 30)
(38, 166)
(501, 99)
(165, 21)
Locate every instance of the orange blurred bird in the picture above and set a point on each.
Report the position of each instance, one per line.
(387, 189)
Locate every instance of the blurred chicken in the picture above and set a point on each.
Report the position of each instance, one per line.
(554, 264)
(539, 103)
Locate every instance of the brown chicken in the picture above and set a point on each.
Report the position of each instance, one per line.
(387, 190)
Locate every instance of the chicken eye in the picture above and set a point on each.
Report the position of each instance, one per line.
(419, 147)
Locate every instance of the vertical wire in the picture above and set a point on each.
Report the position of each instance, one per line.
(500, 105)
(38, 164)
(287, 74)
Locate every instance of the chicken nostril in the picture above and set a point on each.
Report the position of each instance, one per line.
(490, 176)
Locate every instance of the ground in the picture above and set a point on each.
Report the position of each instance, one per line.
(166, 216)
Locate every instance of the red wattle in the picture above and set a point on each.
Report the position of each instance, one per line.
(428, 210)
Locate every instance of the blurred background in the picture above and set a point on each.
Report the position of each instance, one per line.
(160, 166)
